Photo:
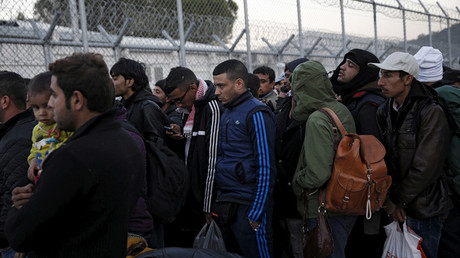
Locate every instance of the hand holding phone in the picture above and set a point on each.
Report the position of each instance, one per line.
(169, 129)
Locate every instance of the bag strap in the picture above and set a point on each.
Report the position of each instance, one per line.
(321, 207)
(331, 114)
(335, 121)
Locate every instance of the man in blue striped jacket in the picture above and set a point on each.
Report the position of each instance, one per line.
(245, 168)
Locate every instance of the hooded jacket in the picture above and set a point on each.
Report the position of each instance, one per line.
(361, 95)
(416, 140)
(366, 74)
(312, 90)
(449, 98)
(145, 114)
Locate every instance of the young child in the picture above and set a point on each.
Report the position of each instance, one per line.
(45, 136)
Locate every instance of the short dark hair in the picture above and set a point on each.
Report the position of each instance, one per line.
(39, 84)
(131, 69)
(13, 86)
(234, 69)
(87, 73)
(253, 84)
(265, 70)
(179, 77)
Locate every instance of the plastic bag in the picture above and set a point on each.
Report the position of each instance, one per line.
(402, 243)
(210, 237)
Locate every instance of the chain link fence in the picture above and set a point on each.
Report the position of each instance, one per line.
(200, 34)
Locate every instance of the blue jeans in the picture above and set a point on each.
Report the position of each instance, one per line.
(341, 227)
(430, 230)
(8, 253)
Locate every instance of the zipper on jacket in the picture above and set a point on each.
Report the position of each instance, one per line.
(226, 131)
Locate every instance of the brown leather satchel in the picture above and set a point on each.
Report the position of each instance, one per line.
(318, 242)
(359, 182)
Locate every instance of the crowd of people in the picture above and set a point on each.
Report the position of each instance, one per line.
(73, 170)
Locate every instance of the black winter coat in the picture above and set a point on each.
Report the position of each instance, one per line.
(15, 144)
(80, 205)
(416, 140)
(145, 114)
(363, 106)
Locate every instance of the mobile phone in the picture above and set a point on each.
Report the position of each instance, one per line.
(169, 129)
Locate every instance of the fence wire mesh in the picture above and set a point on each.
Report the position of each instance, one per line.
(34, 33)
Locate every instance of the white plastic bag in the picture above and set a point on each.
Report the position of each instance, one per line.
(402, 243)
(210, 237)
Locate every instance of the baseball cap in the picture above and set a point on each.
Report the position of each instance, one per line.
(280, 77)
(399, 61)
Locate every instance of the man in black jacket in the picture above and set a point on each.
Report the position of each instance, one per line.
(201, 133)
(144, 109)
(15, 143)
(415, 133)
(80, 205)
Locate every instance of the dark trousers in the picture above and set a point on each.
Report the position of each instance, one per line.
(430, 230)
(368, 233)
(449, 245)
(341, 227)
(240, 238)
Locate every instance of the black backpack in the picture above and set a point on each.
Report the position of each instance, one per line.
(168, 182)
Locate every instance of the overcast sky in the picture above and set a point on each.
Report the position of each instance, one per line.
(317, 16)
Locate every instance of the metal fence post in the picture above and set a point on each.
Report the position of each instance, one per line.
(299, 21)
(429, 22)
(342, 16)
(84, 25)
(74, 19)
(374, 10)
(404, 24)
(248, 35)
(180, 20)
(449, 41)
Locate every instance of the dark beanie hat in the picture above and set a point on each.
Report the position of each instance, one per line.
(161, 84)
(293, 64)
(451, 77)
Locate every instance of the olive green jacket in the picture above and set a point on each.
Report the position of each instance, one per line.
(313, 90)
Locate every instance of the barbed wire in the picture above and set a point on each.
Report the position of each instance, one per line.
(391, 8)
(145, 41)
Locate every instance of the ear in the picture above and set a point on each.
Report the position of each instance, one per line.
(193, 87)
(239, 83)
(5, 102)
(77, 101)
(408, 79)
(129, 83)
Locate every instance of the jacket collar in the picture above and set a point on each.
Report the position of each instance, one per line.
(268, 95)
(24, 116)
(419, 90)
(368, 88)
(240, 99)
(106, 120)
(138, 96)
(208, 96)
